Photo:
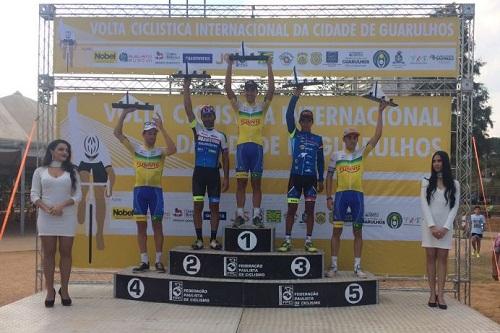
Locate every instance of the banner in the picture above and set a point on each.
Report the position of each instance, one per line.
(324, 46)
(393, 171)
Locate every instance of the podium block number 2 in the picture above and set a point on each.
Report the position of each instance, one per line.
(247, 241)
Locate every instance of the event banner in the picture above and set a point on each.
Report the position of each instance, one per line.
(393, 170)
(418, 47)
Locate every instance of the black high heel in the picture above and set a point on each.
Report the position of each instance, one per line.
(433, 304)
(65, 301)
(50, 303)
(441, 306)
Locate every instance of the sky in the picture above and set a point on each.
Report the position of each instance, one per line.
(19, 40)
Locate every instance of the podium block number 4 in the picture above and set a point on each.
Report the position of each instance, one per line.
(135, 288)
(247, 241)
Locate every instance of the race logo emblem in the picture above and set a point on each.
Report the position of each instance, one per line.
(316, 58)
(286, 58)
(302, 58)
(394, 220)
(176, 290)
(231, 266)
(286, 295)
(381, 59)
(320, 217)
(91, 146)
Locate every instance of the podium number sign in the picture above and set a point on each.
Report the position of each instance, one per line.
(247, 240)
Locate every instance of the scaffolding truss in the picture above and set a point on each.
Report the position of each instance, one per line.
(460, 88)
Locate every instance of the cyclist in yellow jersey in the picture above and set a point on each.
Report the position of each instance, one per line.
(148, 193)
(249, 151)
(348, 164)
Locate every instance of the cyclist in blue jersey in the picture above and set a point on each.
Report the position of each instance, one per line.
(307, 170)
(210, 144)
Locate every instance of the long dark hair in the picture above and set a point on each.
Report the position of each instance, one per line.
(448, 180)
(66, 165)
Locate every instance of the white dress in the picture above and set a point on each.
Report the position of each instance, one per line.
(52, 191)
(438, 214)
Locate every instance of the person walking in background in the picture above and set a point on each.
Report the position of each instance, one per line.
(439, 199)
(477, 226)
(55, 191)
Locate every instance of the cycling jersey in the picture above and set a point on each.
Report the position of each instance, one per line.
(349, 168)
(209, 143)
(148, 164)
(307, 148)
(250, 121)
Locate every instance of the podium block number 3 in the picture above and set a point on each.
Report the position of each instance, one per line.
(247, 241)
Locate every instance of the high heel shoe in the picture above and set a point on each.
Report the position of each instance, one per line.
(49, 303)
(441, 306)
(65, 301)
(433, 304)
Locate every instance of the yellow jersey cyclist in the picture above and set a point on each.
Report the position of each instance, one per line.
(348, 190)
(148, 193)
(249, 149)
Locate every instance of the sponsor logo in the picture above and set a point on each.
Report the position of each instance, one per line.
(197, 58)
(373, 218)
(105, 56)
(381, 59)
(167, 58)
(123, 57)
(189, 212)
(223, 58)
(302, 58)
(286, 295)
(147, 165)
(286, 58)
(355, 59)
(273, 216)
(419, 60)
(394, 220)
(207, 215)
(356, 54)
(91, 146)
(442, 58)
(178, 212)
(231, 266)
(122, 213)
(320, 217)
(349, 168)
(398, 58)
(176, 290)
(332, 57)
(316, 58)
(250, 122)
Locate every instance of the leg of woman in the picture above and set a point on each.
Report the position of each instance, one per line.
(442, 262)
(49, 244)
(430, 257)
(65, 251)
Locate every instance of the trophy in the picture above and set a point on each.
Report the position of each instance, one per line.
(305, 82)
(193, 75)
(376, 94)
(136, 105)
(252, 57)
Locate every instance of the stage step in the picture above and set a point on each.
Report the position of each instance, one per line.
(343, 290)
(223, 264)
(248, 238)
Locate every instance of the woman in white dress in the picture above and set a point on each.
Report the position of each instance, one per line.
(55, 190)
(439, 198)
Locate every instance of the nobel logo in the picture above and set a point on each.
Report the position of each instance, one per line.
(123, 213)
(105, 56)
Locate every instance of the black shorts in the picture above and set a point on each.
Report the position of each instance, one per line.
(99, 173)
(206, 180)
(478, 235)
(298, 184)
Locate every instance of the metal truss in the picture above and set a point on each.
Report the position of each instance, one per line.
(460, 88)
(253, 11)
